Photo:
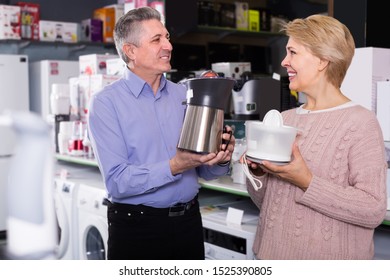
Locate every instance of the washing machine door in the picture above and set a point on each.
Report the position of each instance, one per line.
(95, 248)
(64, 226)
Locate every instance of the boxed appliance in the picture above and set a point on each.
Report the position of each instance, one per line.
(254, 20)
(91, 30)
(227, 15)
(9, 22)
(231, 69)
(119, 10)
(115, 66)
(90, 64)
(360, 83)
(265, 19)
(43, 74)
(158, 5)
(383, 108)
(242, 15)
(89, 85)
(30, 16)
(74, 99)
(107, 16)
(99, 81)
(58, 31)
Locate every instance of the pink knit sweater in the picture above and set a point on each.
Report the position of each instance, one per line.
(336, 217)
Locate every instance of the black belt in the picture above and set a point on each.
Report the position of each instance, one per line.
(178, 209)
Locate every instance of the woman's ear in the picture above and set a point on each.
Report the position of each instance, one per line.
(323, 64)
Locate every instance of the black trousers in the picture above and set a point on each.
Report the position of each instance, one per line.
(140, 233)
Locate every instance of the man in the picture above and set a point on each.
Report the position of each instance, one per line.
(135, 125)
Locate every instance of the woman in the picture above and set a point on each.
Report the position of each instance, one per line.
(326, 203)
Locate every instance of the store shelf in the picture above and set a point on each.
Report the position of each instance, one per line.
(224, 184)
(78, 160)
(226, 31)
(42, 50)
(23, 43)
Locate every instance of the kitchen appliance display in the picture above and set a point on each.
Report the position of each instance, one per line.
(45, 73)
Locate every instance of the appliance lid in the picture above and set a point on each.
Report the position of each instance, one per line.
(209, 91)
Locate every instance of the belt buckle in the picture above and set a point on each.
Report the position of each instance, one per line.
(175, 211)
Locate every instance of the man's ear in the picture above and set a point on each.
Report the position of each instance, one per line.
(128, 49)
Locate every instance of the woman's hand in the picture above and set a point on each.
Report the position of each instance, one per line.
(296, 172)
(253, 166)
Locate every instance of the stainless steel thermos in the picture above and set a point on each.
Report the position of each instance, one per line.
(207, 99)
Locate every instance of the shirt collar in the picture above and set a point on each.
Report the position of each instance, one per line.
(138, 85)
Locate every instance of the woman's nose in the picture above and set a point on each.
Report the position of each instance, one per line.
(284, 62)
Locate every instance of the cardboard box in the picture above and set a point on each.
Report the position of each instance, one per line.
(9, 22)
(265, 19)
(383, 108)
(107, 16)
(58, 31)
(119, 10)
(88, 85)
(91, 30)
(99, 81)
(242, 15)
(115, 66)
(91, 64)
(30, 16)
(254, 20)
(231, 69)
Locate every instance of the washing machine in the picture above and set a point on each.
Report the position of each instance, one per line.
(63, 200)
(66, 183)
(92, 221)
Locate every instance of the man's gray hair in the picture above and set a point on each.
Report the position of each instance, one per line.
(128, 28)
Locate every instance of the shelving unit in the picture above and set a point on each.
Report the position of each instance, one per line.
(77, 160)
(223, 184)
(42, 50)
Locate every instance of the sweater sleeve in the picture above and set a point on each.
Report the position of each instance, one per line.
(361, 200)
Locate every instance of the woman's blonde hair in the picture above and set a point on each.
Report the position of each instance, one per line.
(326, 38)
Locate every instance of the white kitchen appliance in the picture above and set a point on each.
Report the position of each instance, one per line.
(43, 74)
(227, 241)
(383, 108)
(92, 221)
(14, 95)
(369, 66)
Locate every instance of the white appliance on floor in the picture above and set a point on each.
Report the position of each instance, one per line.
(43, 74)
(226, 241)
(64, 196)
(92, 221)
(14, 95)
(67, 182)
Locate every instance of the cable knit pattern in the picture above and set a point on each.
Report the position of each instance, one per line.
(336, 217)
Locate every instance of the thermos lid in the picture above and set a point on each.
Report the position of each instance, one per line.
(211, 91)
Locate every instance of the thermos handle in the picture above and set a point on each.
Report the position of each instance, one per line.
(226, 142)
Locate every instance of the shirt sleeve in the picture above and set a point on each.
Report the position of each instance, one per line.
(122, 179)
